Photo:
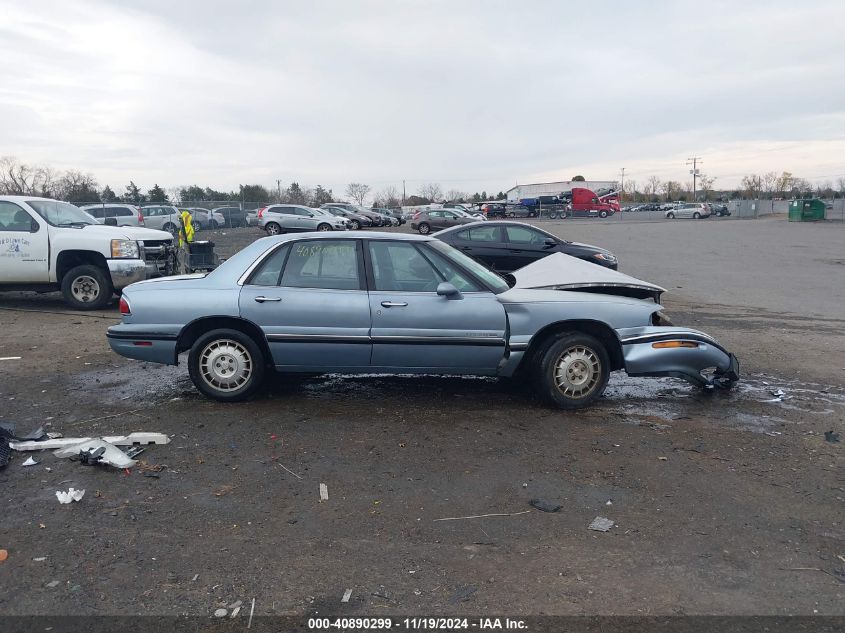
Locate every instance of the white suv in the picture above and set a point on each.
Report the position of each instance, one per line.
(123, 214)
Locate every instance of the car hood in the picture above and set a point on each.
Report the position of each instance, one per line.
(563, 272)
(127, 232)
(585, 248)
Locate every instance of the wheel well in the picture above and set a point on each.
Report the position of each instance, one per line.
(191, 332)
(601, 331)
(71, 259)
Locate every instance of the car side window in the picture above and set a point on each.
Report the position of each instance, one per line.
(268, 273)
(97, 212)
(285, 210)
(330, 264)
(14, 218)
(399, 266)
(450, 272)
(303, 212)
(524, 235)
(483, 234)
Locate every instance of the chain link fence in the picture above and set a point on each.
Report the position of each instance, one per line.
(205, 214)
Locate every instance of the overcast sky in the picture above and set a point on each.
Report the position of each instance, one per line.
(473, 95)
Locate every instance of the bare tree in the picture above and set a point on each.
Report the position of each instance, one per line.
(784, 182)
(77, 187)
(430, 191)
(358, 192)
(752, 184)
(454, 195)
(706, 183)
(387, 198)
(653, 185)
(670, 188)
(769, 181)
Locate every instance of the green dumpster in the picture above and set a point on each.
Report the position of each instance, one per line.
(806, 210)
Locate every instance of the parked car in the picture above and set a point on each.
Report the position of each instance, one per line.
(695, 210)
(202, 218)
(375, 218)
(232, 216)
(425, 221)
(288, 218)
(720, 210)
(508, 246)
(495, 209)
(395, 218)
(163, 217)
(304, 304)
(356, 220)
(48, 245)
(123, 214)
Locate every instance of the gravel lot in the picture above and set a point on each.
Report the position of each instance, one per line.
(717, 499)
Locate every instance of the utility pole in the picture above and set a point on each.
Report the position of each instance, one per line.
(694, 160)
(279, 188)
(622, 187)
(403, 193)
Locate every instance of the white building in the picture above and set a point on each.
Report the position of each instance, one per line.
(555, 188)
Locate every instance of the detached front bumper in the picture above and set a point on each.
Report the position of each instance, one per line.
(126, 271)
(679, 353)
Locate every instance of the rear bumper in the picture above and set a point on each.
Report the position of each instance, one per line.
(147, 346)
(126, 271)
(703, 362)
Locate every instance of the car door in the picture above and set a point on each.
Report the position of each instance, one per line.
(524, 246)
(415, 329)
(310, 299)
(485, 244)
(24, 245)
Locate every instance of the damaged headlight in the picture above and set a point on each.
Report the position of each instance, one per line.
(125, 249)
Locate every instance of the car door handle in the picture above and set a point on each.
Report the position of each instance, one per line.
(263, 299)
(393, 304)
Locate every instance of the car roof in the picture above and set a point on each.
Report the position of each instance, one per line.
(358, 235)
(25, 198)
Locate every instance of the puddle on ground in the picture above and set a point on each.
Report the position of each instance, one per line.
(759, 402)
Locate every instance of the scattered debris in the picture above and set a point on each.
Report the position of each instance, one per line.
(663, 459)
(236, 604)
(839, 574)
(133, 439)
(194, 579)
(324, 492)
(221, 613)
(97, 452)
(10, 358)
(290, 471)
(481, 516)
(601, 524)
(40, 559)
(71, 495)
(251, 611)
(4, 554)
(545, 506)
(462, 594)
(52, 584)
(235, 612)
(5, 452)
(30, 461)
(224, 490)
(346, 595)
(609, 503)
(780, 393)
(830, 436)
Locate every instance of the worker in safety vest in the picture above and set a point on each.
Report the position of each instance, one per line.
(186, 232)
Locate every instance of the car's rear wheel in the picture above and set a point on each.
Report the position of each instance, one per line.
(87, 287)
(226, 365)
(324, 227)
(356, 225)
(696, 215)
(671, 216)
(571, 370)
(273, 228)
(170, 228)
(511, 214)
(424, 228)
(197, 225)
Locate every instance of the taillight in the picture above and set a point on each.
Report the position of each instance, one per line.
(124, 306)
(261, 211)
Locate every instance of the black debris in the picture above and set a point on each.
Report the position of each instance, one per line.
(830, 436)
(545, 506)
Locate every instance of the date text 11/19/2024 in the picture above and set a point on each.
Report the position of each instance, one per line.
(416, 624)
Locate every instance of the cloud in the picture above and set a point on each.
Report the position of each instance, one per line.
(475, 95)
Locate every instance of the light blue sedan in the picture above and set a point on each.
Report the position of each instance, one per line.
(390, 303)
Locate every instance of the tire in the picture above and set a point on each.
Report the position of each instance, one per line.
(197, 226)
(87, 287)
(670, 215)
(324, 227)
(273, 228)
(696, 216)
(226, 365)
(356, 225)
(424, 228)
(602, 214)
(571, 370)
(170, 228)
(213, 225)
(511, 214)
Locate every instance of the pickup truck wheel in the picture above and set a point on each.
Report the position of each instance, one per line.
(424, 228)
(87, 287)
(226, 365)
(602, 214)
(572, 370)
(273, 228)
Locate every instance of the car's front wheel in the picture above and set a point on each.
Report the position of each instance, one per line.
(696, 216)
(87, 287)
(273, 228)
(671, 216)
(424, 228)
(324, 227)
(356, 225)
(226, 365)
(572, 370)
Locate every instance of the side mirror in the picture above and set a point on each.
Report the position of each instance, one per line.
(549, 243)
(445, 289)
(33, 226)
(110, 222)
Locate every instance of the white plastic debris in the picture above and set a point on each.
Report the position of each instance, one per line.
(30, 462)
(324, 492)
(112, 455)
(133, 439)
(601, 524)
(221, 613)
(10, 358)
(346, 595)
(71, 495)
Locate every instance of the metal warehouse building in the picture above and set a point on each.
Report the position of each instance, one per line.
(554, 188)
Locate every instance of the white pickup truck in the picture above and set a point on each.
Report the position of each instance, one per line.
(47, 245)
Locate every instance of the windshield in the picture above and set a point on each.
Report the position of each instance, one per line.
(61, 213)
(493, 281)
